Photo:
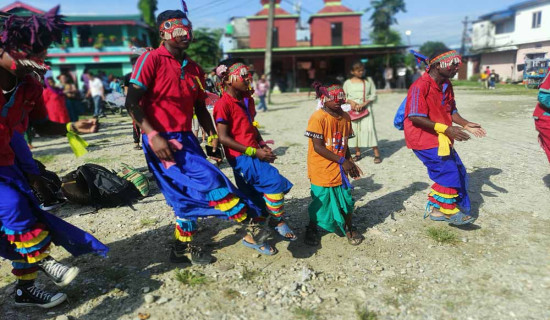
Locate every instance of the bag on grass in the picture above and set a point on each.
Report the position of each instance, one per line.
(91, 184)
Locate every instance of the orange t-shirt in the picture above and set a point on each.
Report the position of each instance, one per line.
(335, 132)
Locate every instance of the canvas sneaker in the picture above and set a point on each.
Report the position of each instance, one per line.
(46, 206)
(31, 296)
(61, 274)
(188, 253)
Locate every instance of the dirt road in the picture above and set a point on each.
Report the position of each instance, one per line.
(499, 269)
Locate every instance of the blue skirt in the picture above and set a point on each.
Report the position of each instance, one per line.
(449, 172)
(192, 183)
(23, 155)
(19, 211)
(256, 178)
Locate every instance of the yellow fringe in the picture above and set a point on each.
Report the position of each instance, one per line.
(39, 258)
(31, 243)
(30, 276)
(448, 211)
(242, 218)
(181, 238)
(276, 196)
(227, 205)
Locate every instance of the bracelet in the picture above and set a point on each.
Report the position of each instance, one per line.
(251, 152)
(262, 144)
(341, 160)
(210, 138)
(152, 134)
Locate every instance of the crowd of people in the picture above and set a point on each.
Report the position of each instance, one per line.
(193, 186)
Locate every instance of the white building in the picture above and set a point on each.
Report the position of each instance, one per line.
(503, 39)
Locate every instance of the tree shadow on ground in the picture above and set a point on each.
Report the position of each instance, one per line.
(477, 179)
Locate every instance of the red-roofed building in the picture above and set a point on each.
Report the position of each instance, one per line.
(328, 25)
(284, 27)
(333, 44)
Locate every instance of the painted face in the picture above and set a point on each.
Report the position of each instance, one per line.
(24, 62)
(179, 27)
(239, 77)
(335, 94)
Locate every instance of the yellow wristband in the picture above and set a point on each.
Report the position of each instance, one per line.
(251, 152)
(210, 138)
(440, 127)
(70, 127)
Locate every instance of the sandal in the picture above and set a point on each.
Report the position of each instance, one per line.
(258, 247)
(354, 238)
(311, 237)
(283, 230)
(377, 160)
(456, 219)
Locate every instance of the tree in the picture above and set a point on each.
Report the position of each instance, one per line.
(205, 49)
(383, 17)
(148, 8)
(428, 48)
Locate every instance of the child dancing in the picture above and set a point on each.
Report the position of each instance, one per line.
(329, 164)
(245, 149)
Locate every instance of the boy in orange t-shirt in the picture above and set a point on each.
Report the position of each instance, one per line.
(329, 163)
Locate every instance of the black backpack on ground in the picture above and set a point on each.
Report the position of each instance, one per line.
(91, 184)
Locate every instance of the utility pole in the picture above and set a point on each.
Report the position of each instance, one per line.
(464, 36)
(269, 45)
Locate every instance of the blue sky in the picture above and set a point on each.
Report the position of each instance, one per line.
(435, 20)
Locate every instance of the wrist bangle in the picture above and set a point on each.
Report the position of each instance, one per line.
(341, 160)
(251, 152)
(71, 128)
(151, 134)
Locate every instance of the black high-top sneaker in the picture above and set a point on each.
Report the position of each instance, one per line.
(188, 253)
(61, 274)
(28, 295)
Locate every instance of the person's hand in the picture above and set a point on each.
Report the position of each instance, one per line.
(86, 126)
(215, 143)
(475, 129)
(352, 169)
(161, 148)
(457, 133)
(265, 155)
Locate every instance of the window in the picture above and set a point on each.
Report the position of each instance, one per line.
(275, 43)
(336, 33)
(504, 26)
(537, 17)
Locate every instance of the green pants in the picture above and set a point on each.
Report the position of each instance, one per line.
(329, 207)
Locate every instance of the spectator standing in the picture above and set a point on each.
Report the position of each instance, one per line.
(262, 87)
(97, 92)
(388, 77)
(71, 96)
(401, 75)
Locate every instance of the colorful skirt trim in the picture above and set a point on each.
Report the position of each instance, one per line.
(194, 187)
(448, 206)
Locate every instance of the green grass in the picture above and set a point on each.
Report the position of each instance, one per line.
(402, 284)
(501, 88)
(189, 277)
(100, 160)
(305, 313)
(363, 313)
(45, 159)
(148, 222)
(391, 301)
(442, 235)
(231, 294)
(248, 274)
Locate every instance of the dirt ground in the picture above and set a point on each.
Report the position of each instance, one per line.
(408, 267)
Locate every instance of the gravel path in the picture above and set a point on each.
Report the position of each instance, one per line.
(498, 269)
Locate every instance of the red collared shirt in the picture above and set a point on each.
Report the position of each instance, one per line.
(25, 104)
(427, 99)
(170, 92)
(238, 116)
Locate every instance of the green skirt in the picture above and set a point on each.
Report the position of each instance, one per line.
(329, 206)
